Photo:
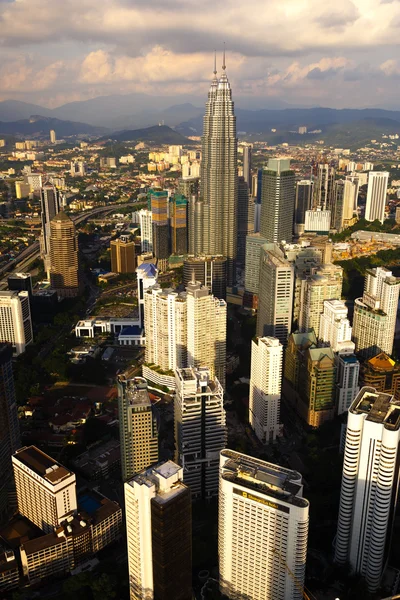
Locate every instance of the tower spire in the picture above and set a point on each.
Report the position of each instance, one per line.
(215, 62)
(223, 60)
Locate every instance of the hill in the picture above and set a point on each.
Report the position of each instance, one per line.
(158, 134)
(40, 126)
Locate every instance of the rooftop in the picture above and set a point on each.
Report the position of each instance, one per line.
(380, 408)
(166, 477)
(382, 362)
(42, 464)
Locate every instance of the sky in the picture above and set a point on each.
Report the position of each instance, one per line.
(279, 52)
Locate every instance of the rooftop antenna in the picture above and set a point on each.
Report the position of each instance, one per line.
(215, 62)
(223, 61)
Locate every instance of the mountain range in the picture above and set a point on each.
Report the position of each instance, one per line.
(37, 125)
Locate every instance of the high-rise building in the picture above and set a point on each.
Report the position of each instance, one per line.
(186, 329)
(146, 278)
(369, 484)
(374, 320)
(64, 260)
(209, 271)
(324, 179)
(274, 317)
(356, 181)
(46, 491)
(382, 373)
(335, 328)
(325, 283)
(53, 137)
(254, 243)
(247, 150)
(9, 429)
(146, 230)
(123, 258)
(262, 529)
(317, 221)
(137, 426)
(160, 226)
(20, 282)
(50, 207)
(265, 387)
(343, 204)
(78, 168)
(347, 388)
(376, 195)
(178, 214)
(245, 220)
(188, 186)
(277, 201)
(218, 179)
(303, 202)
(15, 320)
(159, 534)
(200, 431)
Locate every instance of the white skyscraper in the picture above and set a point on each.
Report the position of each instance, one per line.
(146, 230)
(159, 535)
(374, 321)
(200, 431)
(146, 278)
(324, 283)
(335, 327)
(262, 529)
(369, 484)
(265, 387)
(347, 373)
(376, 195)
(15, 320)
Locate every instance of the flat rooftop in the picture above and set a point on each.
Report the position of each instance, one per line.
(264, 478)
(42, 464)
(379, 407)
(155, 476)
(18, 531)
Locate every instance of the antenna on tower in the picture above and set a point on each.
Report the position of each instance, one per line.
(223, 61)
(215, 62)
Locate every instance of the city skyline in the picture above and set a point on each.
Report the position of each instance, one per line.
(51, 57)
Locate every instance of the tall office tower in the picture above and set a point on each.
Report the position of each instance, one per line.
(323, 186)
(200, 430)
(186, 329)
(15, 320)
(50, 207)
(335, 328)
(325, 283)
(317, 221)
(247, 167)
(159, 534)
(9, 429)
(188, 186)
(64, 260)
(195, 225)
(275, 305)
(53, 137)
(262, 529)
(20, 282)
(277, 201)
(218, 177)
(46, 491)
(382, 373)
(303, 202)
(123, 258)
(146, 278)
(159, 212)
(374, 320)
(343, 204)
(355, 180)
(146, 230)
(347, 373)
(311, 373)
(245, 221)
(376, 195)
(265, 388)
(178, 214)
(254, 243)
(137, 426)
(369, 484)
(209, 271)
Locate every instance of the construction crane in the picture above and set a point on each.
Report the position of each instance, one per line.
(292, 575)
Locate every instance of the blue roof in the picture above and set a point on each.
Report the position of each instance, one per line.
(148, 268)
(131, 330)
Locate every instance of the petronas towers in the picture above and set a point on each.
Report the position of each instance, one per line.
(216, 216)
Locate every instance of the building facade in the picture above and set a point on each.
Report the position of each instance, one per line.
(64, 259)
(325, 283)
(178, 214)
(303, 202)
(245, 219)
(376, 195)
(277, 201)
(123, 259)
(49, 207)
(210, 271)
(15, 320)
(146, 230)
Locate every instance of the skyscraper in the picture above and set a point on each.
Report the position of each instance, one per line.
(146, 230)
(247, 150)
(159, 534)
(376, 195)
(200, 431)
(262, 529)
(323, 186)
(15, 320)
(137, 426)
(123, 259)
(277, 201)
(64, 260)
(343, 204)
(178, 214)
(369, 484)
(303, 202)
(382, 373)
(254, 243)
(9, 428)
(245, 225)
(53, 137)
(49, 206)
(274, 317)
(209, 271)
(325, 283)
(335, 327)
(218, 181)
(160, 226)
(374, 320)
(265, 387)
